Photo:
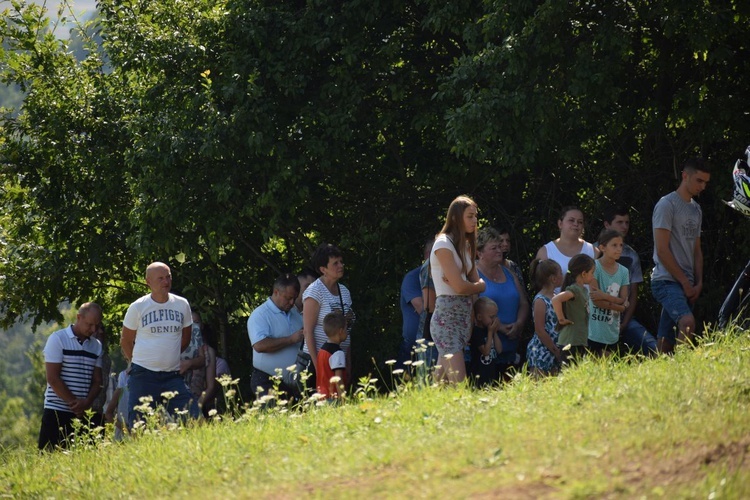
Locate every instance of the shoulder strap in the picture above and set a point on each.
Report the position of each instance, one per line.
(341, 299)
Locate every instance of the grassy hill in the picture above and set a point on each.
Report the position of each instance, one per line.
(669, 427)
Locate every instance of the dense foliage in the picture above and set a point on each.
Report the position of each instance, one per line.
(229, 137)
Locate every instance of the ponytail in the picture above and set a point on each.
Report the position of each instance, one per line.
(541, 271)
(577, 265)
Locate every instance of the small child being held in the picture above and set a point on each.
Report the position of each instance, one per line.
(572, 306)
(331, 371)
(543, 353)
(485, 343)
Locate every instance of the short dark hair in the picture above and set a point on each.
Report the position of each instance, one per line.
(285, 281)
(697, 164)
(307, 271)
(333, 322)
(323, 255)
(613, 211)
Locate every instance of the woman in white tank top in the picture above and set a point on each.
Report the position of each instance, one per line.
(570, 243)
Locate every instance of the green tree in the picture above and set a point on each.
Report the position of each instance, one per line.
(231, 165)
(18, 427)
(229, 138)
(605, 96)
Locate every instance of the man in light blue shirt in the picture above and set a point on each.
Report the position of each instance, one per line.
(275, 330)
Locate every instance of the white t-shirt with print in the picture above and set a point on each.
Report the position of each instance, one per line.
(158, 339)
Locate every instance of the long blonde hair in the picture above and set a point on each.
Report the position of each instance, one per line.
(454, 228)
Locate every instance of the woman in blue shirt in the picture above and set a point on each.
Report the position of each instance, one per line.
(503, 287)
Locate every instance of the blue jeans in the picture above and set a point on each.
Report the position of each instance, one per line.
(635, 336)
(405, 352)
(144, 382)
(674, 305)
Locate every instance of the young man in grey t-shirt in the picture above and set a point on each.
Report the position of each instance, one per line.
(677, 278)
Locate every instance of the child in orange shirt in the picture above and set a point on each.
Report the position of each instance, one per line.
(331, 358)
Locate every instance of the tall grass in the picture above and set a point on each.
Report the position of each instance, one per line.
(671, 427)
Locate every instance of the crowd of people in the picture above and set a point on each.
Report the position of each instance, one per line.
(586, 292)
(175, 353)
(466, 305)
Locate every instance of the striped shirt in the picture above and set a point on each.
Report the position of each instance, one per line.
(329, 302)
(78, 363)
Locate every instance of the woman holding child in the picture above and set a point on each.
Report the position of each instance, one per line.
(504, 288)
(456, 280)
(323, 296)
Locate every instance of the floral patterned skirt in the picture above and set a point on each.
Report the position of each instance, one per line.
(451, 324)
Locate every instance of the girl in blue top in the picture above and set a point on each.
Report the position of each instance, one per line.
(543, 353)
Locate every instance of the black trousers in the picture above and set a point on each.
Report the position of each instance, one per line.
(262, 380)
(57, 426)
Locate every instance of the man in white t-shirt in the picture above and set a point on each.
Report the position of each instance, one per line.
(156, 329)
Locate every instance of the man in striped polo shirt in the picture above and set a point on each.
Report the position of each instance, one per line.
(73, 363)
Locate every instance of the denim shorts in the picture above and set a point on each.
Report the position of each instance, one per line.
(674, 304)
(636, 337)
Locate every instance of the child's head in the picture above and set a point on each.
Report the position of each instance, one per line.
(485, 311)
(334, 324)
(545, 272)
(610, 243)
(581, 265)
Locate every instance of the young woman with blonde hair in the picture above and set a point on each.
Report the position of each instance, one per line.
(453, 268)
